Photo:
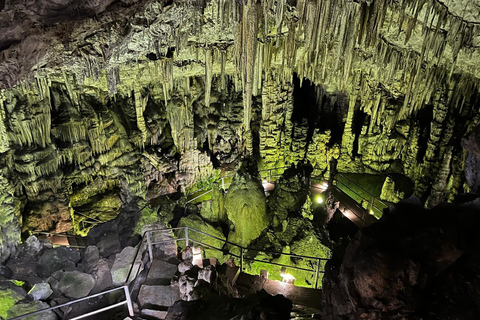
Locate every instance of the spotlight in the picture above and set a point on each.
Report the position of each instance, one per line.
(319, 199)
(288, 278)
(371, 212)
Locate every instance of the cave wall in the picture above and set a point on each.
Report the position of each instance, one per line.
(148, 97)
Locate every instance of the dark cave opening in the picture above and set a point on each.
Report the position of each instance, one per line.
(425, 117)
(360, 118)
(321, 109)
(305, 103)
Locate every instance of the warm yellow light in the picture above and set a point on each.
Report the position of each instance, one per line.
(288, 278)
(319, 199)
(371, 212)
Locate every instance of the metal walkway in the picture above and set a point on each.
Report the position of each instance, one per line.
(343, 190)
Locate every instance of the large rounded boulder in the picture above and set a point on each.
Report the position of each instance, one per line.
(246, 209)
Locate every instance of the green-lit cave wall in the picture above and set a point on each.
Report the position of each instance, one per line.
(149, 97)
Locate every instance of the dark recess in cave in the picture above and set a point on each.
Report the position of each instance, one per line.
(425, 117)
(360, 118)
(322, 110)
(152, 56)
(305, 104)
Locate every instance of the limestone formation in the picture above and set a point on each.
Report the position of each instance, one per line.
(245, 205)
(147, 97)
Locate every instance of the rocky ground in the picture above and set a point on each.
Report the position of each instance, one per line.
(46, 276)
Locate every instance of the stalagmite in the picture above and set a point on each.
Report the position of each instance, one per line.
(140, 105)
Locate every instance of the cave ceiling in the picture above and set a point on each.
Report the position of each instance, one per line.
(151, 96)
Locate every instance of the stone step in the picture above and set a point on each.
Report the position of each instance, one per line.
(150, 314)
(161, 272)
(158, 297)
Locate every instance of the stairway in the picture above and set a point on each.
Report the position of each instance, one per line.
(157, 293)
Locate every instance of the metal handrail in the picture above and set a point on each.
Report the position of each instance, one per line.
(371, 201)
(127, 301)
(371, 195)
(146, 235)
(242, 256)
(232, 174)
(57, 234)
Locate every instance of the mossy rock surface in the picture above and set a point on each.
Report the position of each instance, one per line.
(29, 307)
(196, 222)
(10, 294)
(246, 209)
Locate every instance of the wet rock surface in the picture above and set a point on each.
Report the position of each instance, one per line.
(412, 264)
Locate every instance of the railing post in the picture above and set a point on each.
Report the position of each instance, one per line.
(317, 274)
(149, 245)
(186, 237)
(129, 301)
(241, 259)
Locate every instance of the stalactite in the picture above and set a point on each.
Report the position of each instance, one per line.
(246, 54)
(4, 146)
(208, 75)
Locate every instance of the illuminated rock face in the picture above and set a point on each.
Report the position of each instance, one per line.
(103, 98)
(246, 209)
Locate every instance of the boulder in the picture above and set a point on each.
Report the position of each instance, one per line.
(91, 254)
(161, 272)
(246, 209)
(5, 272)
(185, 266)
(153, 314)
(28, 307)
(10, 294)
(207, 274)
(121, 266)
(32, 245)
(41, 291)
(158, 296)
(57, 259)
(109, 244)
(73, 284)
(185, 286)
(100, 270)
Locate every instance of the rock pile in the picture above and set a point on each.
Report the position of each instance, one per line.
(54, 276)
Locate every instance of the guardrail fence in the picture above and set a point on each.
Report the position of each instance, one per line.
(190, 237)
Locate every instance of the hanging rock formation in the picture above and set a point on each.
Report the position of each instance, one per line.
(147, 97)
